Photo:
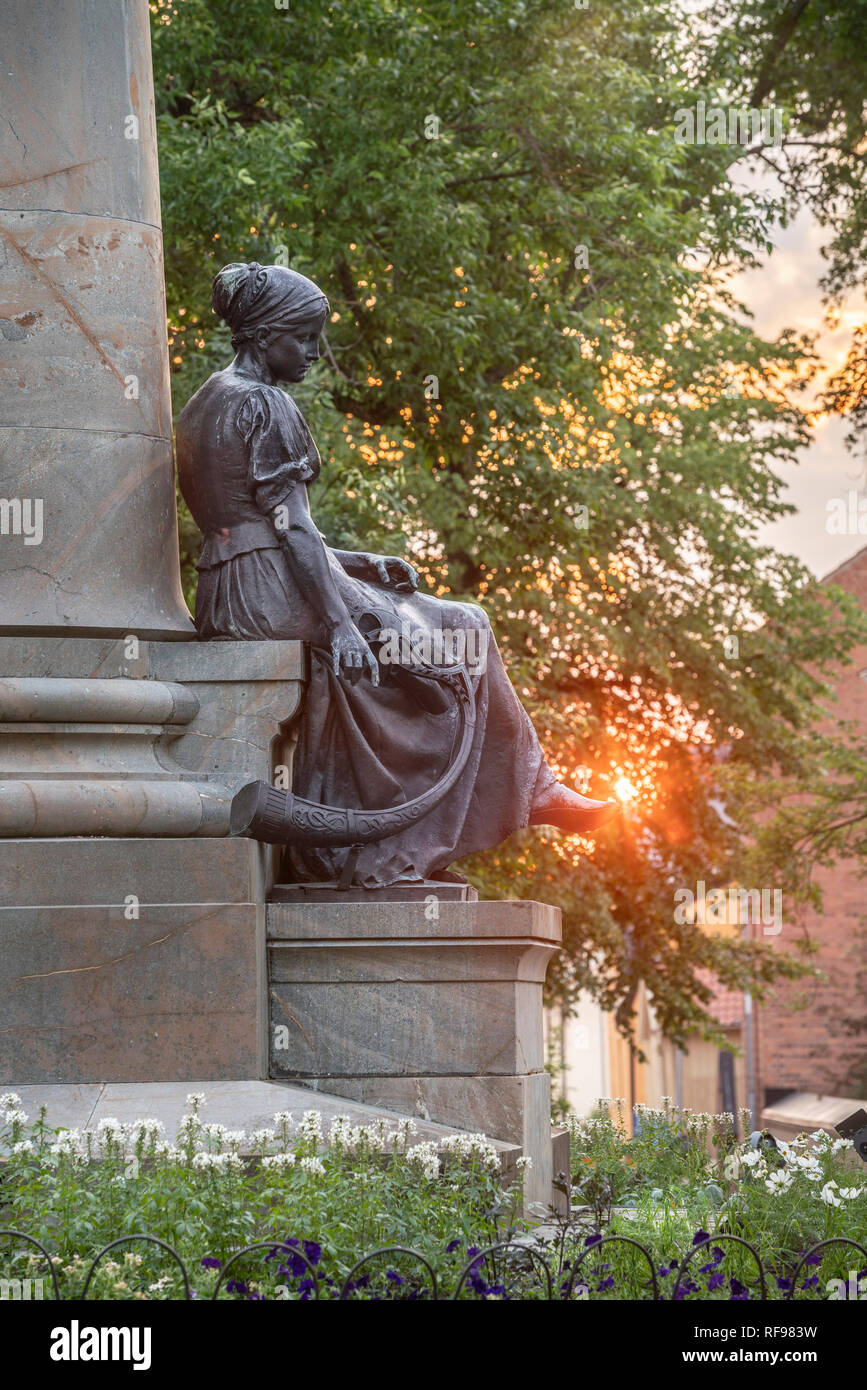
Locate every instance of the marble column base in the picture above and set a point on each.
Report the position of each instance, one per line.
(132, 928)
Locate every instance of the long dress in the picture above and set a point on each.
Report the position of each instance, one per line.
(242, 447)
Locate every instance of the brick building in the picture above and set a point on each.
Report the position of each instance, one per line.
(802, 1039)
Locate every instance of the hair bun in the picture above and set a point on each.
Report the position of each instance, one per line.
(235, 288)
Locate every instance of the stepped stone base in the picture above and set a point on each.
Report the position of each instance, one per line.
(131, 960)
(429, 1010)
(137, 942)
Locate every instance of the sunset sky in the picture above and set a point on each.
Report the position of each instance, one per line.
(785, 294)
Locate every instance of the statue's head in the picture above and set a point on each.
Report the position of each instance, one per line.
(275, 312)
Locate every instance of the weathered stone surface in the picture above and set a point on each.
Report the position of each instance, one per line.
(88, 995)
(112, 806)
(386, 962)
(93, 658)
(85, 428)
(561, 1164)
(81, 872)
(430, 1009)
(248, 695)
(499, 1105)
(405, 1029)
(537, 922)
(227, 661)
(43, 699)
(97, 741)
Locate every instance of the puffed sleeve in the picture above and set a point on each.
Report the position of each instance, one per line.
(280, 448)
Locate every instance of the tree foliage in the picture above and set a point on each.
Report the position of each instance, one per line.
(537, 384)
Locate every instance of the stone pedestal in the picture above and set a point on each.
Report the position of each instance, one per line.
(132, 930)
(430, 1008)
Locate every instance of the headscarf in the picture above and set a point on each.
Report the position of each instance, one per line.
(251, 296)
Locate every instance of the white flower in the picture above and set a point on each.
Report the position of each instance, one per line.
(374, 1137)
(425, 1156)
(110, 1131)
(195, 1099)
(10, 1101)
(215, 1135)
(525, 1161)
(404, 1132)
(310, 1128)
(751, 1158)
(471, 1146)
(850, 1193)
(69, 1143)
(280, 1161)
(23, 1146)
(145, 1128)
(343, 1134)
(780, 1180)
(235, 1139)
(314, 1166)
(261, 1138)
(828, 1195)
(216, 1161)
(170, 1152)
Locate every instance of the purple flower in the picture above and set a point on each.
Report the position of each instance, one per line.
(593, 1240)
(715, 1281)
(606, 1284)
(700, 1237)
(313, 1251)
(784, 1284)
(235, 1286)
(452, 1246)
(210, 1263)
(393, 1276)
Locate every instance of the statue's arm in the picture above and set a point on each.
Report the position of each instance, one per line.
(389, 570)
(311, 568)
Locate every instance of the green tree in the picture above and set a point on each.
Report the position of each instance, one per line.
(536, 382)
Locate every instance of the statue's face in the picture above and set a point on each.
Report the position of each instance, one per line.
(290, 352)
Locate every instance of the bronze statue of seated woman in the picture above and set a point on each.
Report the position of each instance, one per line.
(413, 746)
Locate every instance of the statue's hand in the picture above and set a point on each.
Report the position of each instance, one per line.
(350, 652)
(391, 571)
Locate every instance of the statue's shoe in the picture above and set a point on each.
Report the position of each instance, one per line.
(573, 813)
